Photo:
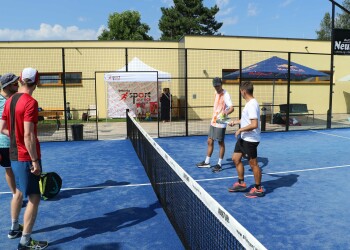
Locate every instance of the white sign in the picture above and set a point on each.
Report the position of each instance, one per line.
(139, 97)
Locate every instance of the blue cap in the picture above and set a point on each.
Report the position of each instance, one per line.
(217, 81)
(7, 79)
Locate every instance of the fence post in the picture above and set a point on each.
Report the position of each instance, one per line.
(263, 119)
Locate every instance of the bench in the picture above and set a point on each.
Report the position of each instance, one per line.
(297, 109)
(51, 114)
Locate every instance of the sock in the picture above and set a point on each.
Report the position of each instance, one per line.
(219, 162)
(207, 160)
(257, 186)
(15, 225)
(240, 181)
(25, 239)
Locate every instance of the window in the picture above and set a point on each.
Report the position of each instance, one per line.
(55, 79)
(226, 72)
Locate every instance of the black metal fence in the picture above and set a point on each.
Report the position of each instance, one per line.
(65, 101)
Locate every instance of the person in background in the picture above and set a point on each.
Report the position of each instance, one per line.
(165, 101)
(9, 86)
(19, 122)
(222, 108)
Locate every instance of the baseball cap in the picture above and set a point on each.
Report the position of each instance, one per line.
(7, 79)
(30, 74)
(217, 81)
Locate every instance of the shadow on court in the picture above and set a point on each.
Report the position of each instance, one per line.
(263, 162)
(110, 222)
(109, 246)
(282, 181)
(87, 189)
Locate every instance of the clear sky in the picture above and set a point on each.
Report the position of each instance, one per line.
(84, 19)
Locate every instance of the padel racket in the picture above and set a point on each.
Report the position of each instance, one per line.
(223, 121)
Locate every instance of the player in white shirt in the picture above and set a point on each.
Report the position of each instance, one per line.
(248, 139)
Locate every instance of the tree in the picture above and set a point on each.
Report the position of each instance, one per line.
(125, 26)
(188, 17)
(342, 21)
(325, 31)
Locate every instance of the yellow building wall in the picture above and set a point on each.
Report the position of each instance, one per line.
(207, 56)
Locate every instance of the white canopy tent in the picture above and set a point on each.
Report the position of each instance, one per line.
(135, 89)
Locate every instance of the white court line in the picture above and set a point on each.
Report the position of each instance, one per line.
(282, 172)
(329, 134)
(210, 179)
(99, 187)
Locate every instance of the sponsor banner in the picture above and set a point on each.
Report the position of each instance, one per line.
(341, 41)
(139, 97)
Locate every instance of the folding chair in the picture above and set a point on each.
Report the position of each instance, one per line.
(92, 112)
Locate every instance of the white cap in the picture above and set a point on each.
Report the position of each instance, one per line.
(31, 75)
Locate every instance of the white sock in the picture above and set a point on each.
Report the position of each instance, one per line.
(207, 160)
(15, 225)
(25, 239)
(219, 162)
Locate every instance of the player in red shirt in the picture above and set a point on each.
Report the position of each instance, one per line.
(19, 122)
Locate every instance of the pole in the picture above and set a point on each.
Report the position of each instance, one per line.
(288, 94)
(273, 97)
(329, 111)
(263, 119)
(186, 91)
(64, 94)
(240, 82)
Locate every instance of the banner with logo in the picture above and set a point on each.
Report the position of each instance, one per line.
(136, 91)
(341, 41)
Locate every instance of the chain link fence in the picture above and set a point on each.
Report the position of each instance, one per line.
(73, 103)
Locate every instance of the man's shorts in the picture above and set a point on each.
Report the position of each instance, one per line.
(247, 148)
(26, 182)
(5, 157)
(217, 133)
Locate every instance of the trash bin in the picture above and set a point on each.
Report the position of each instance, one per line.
(77, 132)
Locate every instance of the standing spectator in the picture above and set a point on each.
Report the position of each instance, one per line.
(165, 102)
(19, 122)
(9, 86)
(248, 139)
(222, 107)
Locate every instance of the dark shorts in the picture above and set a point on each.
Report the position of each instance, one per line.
(247, 148)
(217, 133)
(26, 182)
(5, 157)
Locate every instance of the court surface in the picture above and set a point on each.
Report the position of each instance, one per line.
(108, 203)
(306, 176)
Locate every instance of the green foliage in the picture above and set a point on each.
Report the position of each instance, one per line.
(125, 26)
(325, 31)
(188, 17)
(342, 21)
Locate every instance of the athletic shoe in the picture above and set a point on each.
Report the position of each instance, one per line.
(203, 165)
(217, 168)
(33, 244)
(238, 187)
(13, 234)
(255, 193)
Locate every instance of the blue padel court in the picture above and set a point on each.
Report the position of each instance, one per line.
(306, 176)
(107, 201)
